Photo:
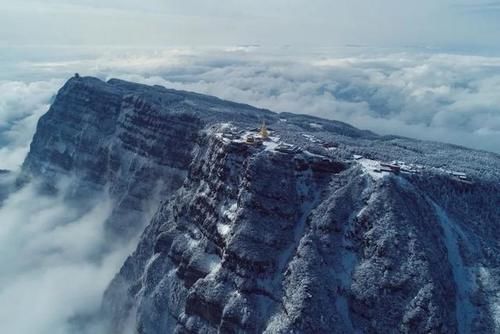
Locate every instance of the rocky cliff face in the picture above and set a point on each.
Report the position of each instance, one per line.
(338, 231)
(114, 136)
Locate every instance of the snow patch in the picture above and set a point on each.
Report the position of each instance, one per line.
(223, 229)
(270, 145)
(311, 138)
(211, 262)
(192, 243)
(492, 286)
(372, 168)
(230, 213)
(214, 264)
(316, 125)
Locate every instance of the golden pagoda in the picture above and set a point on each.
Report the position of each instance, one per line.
(263, 131)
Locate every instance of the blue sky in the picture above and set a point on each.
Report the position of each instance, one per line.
(465, 25)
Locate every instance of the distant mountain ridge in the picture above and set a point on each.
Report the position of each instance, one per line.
(321, 228)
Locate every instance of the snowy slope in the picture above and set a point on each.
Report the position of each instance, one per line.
(324, 228)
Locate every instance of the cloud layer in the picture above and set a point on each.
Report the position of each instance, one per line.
(437, 97)
(442, 97)
(463, 24)
(21, 105)
(52, 267)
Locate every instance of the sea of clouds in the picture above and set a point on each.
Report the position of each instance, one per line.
(50, 273)
(53, 270)
(425, 95)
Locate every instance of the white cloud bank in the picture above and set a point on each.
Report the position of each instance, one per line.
(21, 105)
(446, 98)
(442, 97)
(52, 268)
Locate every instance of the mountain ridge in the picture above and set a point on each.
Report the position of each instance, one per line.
(320, 228)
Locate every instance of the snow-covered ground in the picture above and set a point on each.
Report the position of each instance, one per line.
(464, 282)
(492, 287)
(316, 126)
(270, 145)
(372, 167)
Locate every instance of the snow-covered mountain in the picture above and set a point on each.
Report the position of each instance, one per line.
(319, 228)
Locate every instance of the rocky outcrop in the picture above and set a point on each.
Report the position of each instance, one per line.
(256, 241)
(232, 222)
(101, 136)
(134, 141)
(315, 236)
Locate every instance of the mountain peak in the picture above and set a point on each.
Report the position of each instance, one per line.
(316, 227)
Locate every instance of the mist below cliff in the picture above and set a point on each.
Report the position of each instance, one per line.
(55, 262)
